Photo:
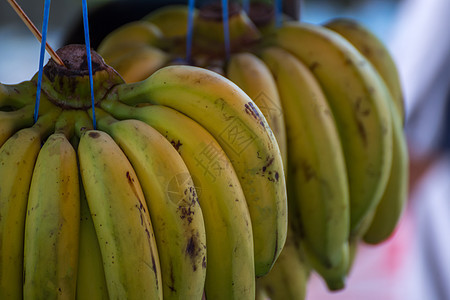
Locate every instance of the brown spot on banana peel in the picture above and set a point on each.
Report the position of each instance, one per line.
(251, 110)
(194, 250)
(360, 109)
(314, 65)
(141, 206)
(153, 260)
(269, 162)
(308, 171)
(366, 50)
(362, 132)
(94, 134)
(204, 262)
(176, 144)
(276, 252)
(171, 285)
(272, 175)
(362, 112)
(186, 213)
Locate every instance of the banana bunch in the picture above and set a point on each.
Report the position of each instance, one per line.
(137, 49)
(356, 186)
(235, 182)
(177, 191)
(332, 97)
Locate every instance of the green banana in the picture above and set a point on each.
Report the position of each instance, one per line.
(255, 79)
(230, 272)
(172, 20)
(17, 95)
(52, 223)
(241, 130)
(359, 102)
(12, 121)
(289, 276)
(91, 281)
(208, 30)
(17, 160)
(393, 201)
(376, 52)
(261, 292)
(317, 176)
(133, 33)
(176, 215)
(394, 197)
(334, 277)
(121, 219)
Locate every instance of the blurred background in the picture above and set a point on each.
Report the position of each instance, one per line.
(415, 262)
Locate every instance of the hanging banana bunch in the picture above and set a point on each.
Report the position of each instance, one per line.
(208, 152)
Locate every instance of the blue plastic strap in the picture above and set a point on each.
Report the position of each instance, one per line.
(226, 29)
(89, 60)
(41, 58)
(246, 6)
(190, 29)
(278, 12)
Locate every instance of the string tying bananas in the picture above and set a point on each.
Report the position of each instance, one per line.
(179, 192)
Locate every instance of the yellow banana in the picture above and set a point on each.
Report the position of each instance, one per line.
(12, 121)
(133, 33)
(255, 79)
(393, 201)
(138, 63)
(91, 281)
(376, 52)
(176, 215)
(171, 20)
(17, 160)
(317, 176)
(241, 130)
(359, 102)
(52, 223)
(121, 219)
(230, 272)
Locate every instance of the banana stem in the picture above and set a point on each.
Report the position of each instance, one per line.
(34, 30)
(46, 123)
(83, 123)
(118, 109)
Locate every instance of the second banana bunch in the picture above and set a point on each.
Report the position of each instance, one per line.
(332, 97)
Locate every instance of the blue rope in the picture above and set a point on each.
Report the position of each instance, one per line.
(88, 54)
(190, 29)
(226, 29)
(41, 58)
(246, 6)
(278, 12)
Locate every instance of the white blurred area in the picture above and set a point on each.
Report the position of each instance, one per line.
(415, 263)
(19, 49)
